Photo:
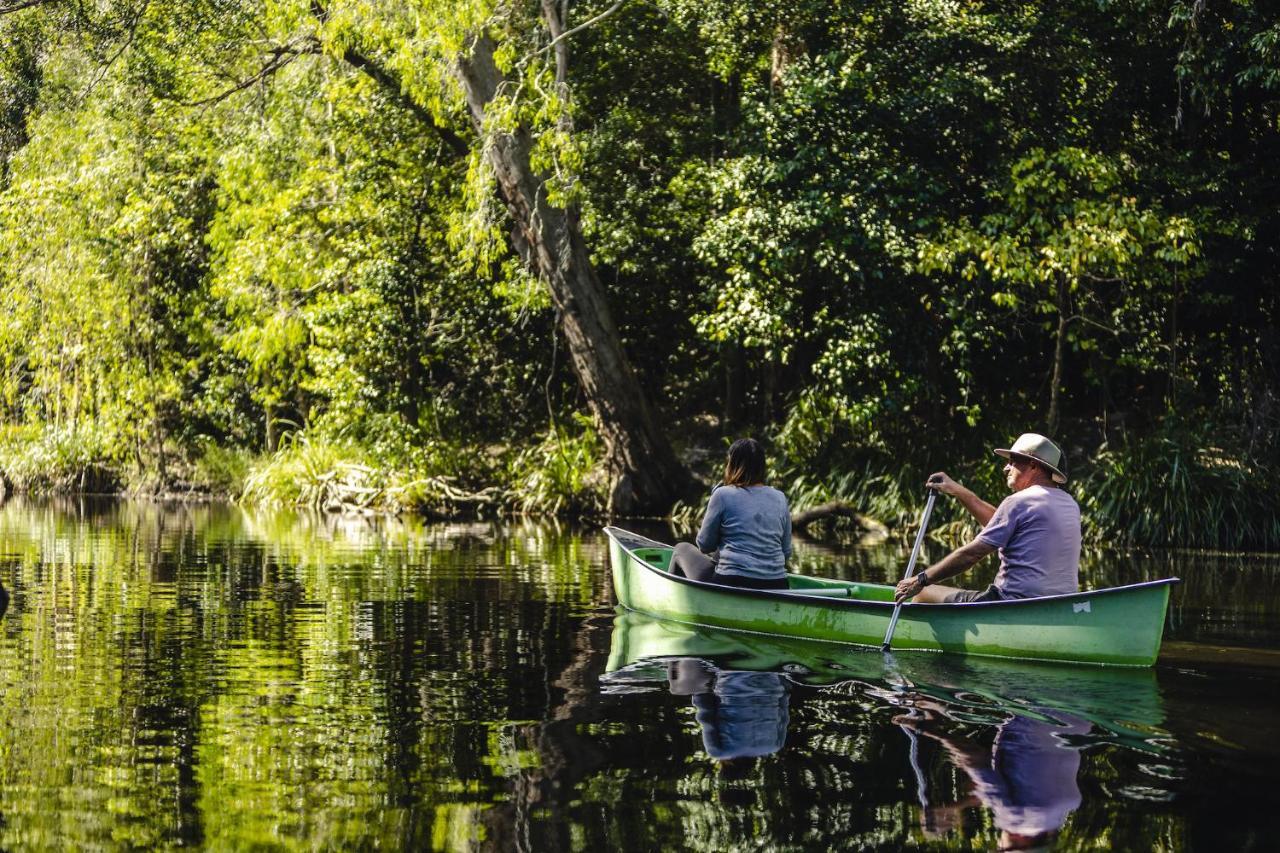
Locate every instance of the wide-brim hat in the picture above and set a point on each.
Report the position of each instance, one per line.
(1039, 448)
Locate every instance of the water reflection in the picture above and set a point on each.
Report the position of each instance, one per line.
(1026, 777)
(1015, 731)
(743, 714)
(195, 676)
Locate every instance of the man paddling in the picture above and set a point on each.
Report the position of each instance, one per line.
(1036, 530)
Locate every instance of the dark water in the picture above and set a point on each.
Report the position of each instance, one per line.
(195, 676)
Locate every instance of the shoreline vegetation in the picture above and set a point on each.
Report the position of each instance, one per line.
(550, 258)
(1164, 495)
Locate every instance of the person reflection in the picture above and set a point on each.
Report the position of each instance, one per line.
(743, 715)
(1027, 777)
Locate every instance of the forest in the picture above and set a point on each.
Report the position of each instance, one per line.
(452, 257)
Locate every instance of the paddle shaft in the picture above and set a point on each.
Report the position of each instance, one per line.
(911, 565)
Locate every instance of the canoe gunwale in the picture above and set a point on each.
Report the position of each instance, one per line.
(798, 596)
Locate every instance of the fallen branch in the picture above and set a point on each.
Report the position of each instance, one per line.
(839, 509)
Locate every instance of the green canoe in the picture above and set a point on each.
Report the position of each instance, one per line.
(1121, 626)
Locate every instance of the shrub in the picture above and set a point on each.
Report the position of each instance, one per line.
(338, 476)
(1178, 488)
(562, 474)
(221, 470)
(43, 458)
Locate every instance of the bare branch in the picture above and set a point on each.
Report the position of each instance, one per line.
(842, 509)
(1091, 322)
(564, 35)
(7, 8)
(280, 57)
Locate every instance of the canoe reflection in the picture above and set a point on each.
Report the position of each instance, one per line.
(1015, 729)
(742, 714)
(1122, 704)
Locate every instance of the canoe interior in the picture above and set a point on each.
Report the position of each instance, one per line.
(660, 558)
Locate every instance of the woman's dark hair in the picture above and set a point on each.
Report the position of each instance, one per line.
(744, 465)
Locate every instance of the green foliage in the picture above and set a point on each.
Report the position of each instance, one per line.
(50, 459)
(1186, 486)
(862, 231)
(561, 475)
(333, 475)
(220, 470)
(1063, 215)
(305, 473)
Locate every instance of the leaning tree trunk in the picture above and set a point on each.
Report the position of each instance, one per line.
(645, 475)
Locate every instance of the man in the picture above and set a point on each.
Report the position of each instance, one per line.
(1036, 530)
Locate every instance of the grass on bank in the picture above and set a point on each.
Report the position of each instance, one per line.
(1172, 489)
(59, 459)
(559, 475)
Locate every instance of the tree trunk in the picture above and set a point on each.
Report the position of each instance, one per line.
(645, 476)
(735, 368)
(1171, 383)
(1059, 355)
(269, 414)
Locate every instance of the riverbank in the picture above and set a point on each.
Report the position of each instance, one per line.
(1150, 493)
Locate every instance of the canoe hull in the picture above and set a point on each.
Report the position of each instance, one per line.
(1122, 626)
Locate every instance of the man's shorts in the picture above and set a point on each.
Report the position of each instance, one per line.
(968, 596)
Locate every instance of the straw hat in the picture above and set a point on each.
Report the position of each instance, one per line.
(1039, 448)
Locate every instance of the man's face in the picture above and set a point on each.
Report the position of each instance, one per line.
(1019, 472)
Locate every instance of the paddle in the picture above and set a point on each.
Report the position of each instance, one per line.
(911, 565)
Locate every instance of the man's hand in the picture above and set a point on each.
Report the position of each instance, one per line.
(941, 482)
(974, 505)
(908, 587)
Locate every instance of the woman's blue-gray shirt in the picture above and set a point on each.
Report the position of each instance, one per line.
(751, 527)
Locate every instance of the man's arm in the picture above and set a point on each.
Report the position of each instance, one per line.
(976, 506)
(949, 566)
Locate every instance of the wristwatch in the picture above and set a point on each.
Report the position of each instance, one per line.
(924, 579)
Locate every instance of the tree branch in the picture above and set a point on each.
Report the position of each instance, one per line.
(7, 8)
(280, 57)
(393, 86)
(842, 509)
(1091, 322)
(564, 35)
(555, 24)
(124, 45)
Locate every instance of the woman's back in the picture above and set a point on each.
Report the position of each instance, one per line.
(751, 527)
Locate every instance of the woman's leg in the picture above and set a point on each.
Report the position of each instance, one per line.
(688, 561)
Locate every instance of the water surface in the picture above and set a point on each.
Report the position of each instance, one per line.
(197, 676)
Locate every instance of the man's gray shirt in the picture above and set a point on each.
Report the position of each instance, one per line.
(1037, 532)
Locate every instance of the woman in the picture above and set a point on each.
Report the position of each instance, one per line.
(747, 521)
